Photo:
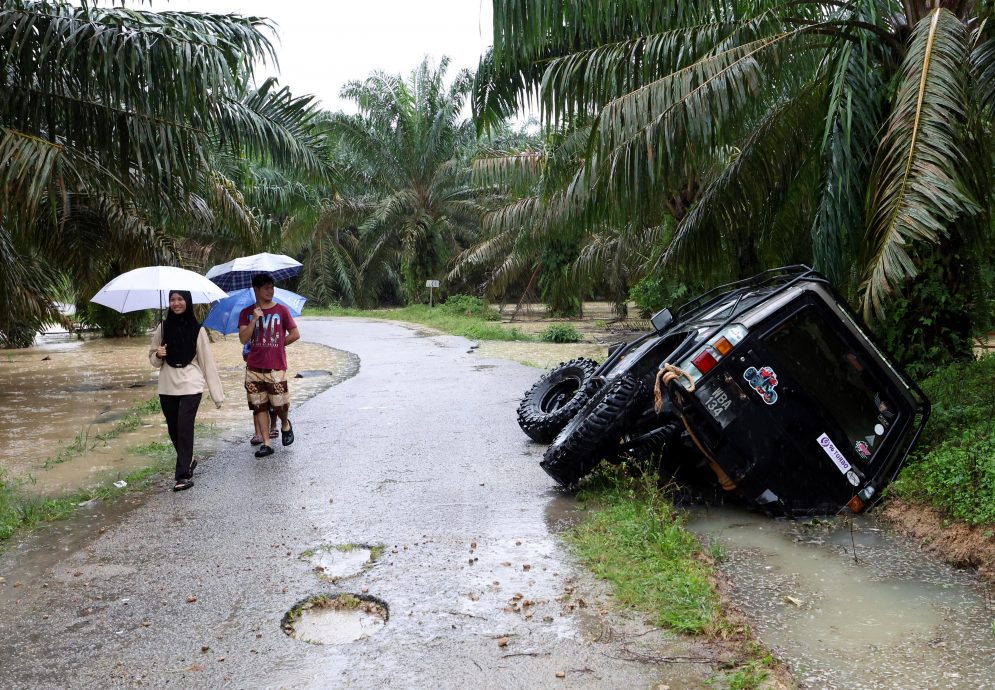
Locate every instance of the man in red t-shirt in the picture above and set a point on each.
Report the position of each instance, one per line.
(271, 327)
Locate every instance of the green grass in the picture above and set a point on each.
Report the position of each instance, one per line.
(635, 540)
(953, 468)
(474, 328)
(20, 510)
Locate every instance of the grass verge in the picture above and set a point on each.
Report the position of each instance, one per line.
(472, 327)
(637, 541)
(953, 468)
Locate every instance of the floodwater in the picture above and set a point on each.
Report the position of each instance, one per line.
(847, 605)
(62, 394)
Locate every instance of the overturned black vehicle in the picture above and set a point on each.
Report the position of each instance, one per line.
(770, 388)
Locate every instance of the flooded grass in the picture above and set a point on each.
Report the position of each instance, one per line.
(21, 509)
(100, 394)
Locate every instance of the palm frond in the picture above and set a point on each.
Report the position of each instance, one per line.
(915, 191)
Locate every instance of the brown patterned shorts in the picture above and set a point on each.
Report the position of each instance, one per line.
(267, 389)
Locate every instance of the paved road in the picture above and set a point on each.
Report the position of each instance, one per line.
(419, 452)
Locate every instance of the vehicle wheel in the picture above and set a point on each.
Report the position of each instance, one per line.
(555, 399)
(595, 431)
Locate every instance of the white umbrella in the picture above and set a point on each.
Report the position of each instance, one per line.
(149, 288)
(237, 273)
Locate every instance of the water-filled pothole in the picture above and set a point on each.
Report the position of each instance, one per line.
(336, 618)
(334, 562)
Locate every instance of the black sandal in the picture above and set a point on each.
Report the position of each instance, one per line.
(183, 485)
(264, 451)
(193, 465)
(288, 435)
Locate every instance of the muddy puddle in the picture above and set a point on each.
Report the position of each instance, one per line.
(64, 396)
(337, 619)
(849, 606)
(337, 562)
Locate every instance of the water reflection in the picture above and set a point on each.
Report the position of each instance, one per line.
(63, 393)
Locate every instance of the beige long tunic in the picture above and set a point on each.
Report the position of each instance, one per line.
(188, 380)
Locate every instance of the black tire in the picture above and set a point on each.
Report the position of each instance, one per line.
(595, 432)
(555, 399)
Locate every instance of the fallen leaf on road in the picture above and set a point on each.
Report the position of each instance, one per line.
(191, 599)
(793, 600)
(503, 642)
(561, 674)
(205, 648)
(195, 668)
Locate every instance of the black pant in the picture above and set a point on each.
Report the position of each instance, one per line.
(181, 413)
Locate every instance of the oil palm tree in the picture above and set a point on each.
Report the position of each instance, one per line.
(109, 121)
(408, 193)
(854, 134)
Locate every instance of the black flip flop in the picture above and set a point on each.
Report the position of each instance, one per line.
(288, 435)
(264, 451)
(183, 485)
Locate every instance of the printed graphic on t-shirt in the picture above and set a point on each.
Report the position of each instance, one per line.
(270, 331)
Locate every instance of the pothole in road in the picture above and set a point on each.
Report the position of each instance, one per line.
(333, 562)
(336, 618)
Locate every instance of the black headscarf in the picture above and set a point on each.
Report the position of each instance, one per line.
(179, 333)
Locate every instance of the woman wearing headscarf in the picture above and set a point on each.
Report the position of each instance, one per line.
(182, 352)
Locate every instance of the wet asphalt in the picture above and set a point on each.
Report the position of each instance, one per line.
(418, 452)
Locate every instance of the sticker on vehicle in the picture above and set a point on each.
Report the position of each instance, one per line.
(863, 450)
(834, 454)
(763, 381)
(852, 477)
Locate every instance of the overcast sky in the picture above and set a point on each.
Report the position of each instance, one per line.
(322, 44)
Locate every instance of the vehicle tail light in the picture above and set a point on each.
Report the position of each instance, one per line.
(703, 362)
(706, 360)
(856, 504)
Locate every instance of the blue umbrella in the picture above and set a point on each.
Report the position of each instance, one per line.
(223, 316)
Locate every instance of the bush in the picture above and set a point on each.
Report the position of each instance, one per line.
(560, 333)
(953, 469)
(468, 305)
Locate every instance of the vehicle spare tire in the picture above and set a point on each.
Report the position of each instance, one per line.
(595, 432)
(555, 399)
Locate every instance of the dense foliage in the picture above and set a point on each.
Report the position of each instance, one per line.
(129, 137)
(954, 467)
(853, 135)
(406, 205)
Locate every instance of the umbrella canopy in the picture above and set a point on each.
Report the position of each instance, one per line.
(149, 287)
(237, 273)
(223, 316)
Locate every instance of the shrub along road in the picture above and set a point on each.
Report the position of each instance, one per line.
(418, 453)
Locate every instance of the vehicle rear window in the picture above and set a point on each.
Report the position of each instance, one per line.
(836, 375)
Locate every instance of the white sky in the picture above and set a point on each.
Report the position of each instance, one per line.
(323, 44)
